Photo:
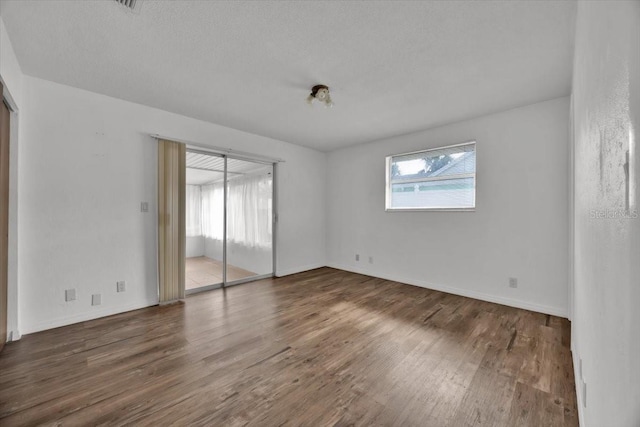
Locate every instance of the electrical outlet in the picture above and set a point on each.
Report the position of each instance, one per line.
(370, 260)
(513, 282)
(96, 299)
(70, 295)
(357, 257)
(121, 286)
(144, 206)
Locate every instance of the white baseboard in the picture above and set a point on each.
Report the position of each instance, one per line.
(96, 314)
(83, 317)
(294, 270)
(577, 379)
(545, 309)
(14, 335)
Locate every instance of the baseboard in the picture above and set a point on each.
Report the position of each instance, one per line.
(83, 317)
(96, 314)
(577, 380)
(294, 270)
(539, 308)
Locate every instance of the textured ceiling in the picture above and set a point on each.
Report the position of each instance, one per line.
(393, 67)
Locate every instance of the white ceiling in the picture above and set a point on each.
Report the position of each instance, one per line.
(393, 67)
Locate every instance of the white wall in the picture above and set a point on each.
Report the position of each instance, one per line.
(11, 76)
(255, 259)
(213, 248)
(606, 105)
(519, 228)
(194, 246)
(87, 162)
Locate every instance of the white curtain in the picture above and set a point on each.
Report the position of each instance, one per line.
(193, 211)
(213, 210)
(249, 210)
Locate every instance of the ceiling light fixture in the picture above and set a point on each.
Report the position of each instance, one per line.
(321, 94)
(132, 5)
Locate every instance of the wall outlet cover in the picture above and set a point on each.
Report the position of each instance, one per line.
(513, 282)
(96, 299)
(144, 206)
(357, 257)
(121, 286)
(70, 295)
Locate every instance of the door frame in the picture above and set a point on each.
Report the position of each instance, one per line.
(6, 169)
(13, 332)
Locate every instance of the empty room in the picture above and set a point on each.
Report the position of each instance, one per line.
(319, 213)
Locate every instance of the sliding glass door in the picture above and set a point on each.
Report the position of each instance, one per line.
(249, 243)
(229, 228)
(204, 263)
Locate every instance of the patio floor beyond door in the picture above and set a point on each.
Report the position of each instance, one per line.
(203, 271)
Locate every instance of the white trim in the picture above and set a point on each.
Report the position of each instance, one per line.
(13, 292)
(539, 308)
(11, 103)
(294, 270)
(571, 219)
(83, 317)
(470, 142)
(438, 209)
(200, 289)
(578, 383)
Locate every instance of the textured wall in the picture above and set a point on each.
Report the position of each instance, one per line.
(606, 324)
(86, 163)
(519, 227)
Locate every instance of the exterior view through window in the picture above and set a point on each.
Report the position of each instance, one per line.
(439, 178)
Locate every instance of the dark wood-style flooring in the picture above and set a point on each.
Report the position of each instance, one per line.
(320, 348)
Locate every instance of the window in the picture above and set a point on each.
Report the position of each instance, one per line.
(439, 178)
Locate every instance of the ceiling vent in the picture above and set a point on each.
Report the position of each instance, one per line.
(133, 5)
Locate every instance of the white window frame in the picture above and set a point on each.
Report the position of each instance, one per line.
(388, 189)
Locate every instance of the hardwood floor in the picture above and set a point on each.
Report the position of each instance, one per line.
(320, 348)
(203, 271)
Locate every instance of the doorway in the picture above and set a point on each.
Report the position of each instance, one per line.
(5, 117)
(229, 220)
